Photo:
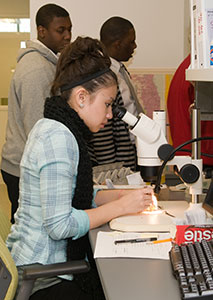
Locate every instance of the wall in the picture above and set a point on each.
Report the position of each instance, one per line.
(160, 35)
(14, 9)
(160, 26)
(3, 123)
(10, 44)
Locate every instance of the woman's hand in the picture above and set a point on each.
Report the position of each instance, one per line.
(136, 201)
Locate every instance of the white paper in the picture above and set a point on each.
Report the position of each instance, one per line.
(106, 247)
(135, 179)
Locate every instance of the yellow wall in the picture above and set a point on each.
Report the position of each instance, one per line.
(3, 124)
(14, 9)
(10, 44)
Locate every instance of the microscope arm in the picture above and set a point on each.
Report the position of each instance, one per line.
(153, 149)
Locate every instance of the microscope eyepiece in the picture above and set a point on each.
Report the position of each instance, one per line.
(118, 111)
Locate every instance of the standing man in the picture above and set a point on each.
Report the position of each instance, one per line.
(180, 98)
(114, 143)
(29, 88)
(118, 35)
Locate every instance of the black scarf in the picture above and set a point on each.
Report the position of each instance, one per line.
(56, 108)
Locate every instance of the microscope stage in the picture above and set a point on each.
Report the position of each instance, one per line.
(152, 222)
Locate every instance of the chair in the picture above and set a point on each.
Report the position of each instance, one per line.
(9, 273)
(4, 225)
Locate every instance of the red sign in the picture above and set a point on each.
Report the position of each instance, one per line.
(192, 233)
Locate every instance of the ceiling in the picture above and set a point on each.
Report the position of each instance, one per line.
(14, 9)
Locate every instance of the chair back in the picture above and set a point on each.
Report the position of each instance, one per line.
(4, 225)
(8, 273)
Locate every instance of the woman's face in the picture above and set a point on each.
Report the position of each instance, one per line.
(97, 107)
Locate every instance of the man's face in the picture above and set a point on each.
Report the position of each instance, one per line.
(127, 46)
(58, 34)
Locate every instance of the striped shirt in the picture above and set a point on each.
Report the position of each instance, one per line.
(112, 143)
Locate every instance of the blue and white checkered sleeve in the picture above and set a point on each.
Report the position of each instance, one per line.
(58, 161)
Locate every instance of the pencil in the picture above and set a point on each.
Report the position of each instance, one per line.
(161, 241)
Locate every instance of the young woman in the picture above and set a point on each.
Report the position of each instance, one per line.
(57, 205)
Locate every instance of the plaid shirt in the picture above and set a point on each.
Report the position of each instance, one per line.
(45, 217)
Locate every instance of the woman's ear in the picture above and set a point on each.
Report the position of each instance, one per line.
(78, 98)
(81, 97)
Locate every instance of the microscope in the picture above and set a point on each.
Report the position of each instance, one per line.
(154, 152)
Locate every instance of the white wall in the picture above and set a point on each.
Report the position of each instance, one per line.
(160, 26)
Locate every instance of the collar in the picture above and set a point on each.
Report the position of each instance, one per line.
(41, 44)
(115, 65)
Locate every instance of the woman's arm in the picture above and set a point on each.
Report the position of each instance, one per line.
(105, 196)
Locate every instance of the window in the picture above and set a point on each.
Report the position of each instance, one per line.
(14, 25)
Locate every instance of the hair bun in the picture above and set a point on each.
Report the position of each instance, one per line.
(84, 47)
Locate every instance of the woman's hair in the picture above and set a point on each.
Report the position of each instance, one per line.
(84, 62)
